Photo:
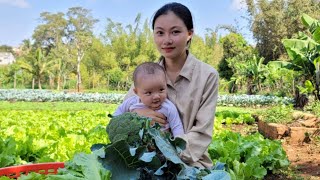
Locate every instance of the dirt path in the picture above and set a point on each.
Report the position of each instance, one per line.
(304, 159)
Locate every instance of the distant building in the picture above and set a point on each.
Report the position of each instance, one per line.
(17, 51)
(6, 58)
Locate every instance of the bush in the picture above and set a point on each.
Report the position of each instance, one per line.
(278, 114)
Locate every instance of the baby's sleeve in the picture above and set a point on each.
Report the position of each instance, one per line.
(174, 120)
(125, 106)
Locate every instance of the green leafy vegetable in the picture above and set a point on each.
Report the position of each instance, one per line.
(83, 166)
(138, 151)
(126, 127)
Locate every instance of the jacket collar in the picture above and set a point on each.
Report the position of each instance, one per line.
(188, 67)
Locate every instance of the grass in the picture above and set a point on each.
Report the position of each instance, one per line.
(240, 109)
(77, 106)
(56, 106)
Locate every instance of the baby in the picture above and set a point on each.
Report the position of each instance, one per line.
(150, 87)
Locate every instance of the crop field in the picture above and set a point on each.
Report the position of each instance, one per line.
(49, 136)
(34, 132)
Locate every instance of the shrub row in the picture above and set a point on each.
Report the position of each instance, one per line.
(51, 96)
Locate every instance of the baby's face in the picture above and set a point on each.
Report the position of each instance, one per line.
(152, 90)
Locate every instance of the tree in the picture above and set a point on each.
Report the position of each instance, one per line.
(249, 69)
(60, 55)
(116, 39)
(51, 32)
(98, 60)
(233, 44)
(279, 79)
(214, 48)
(36, 64)
(5, 48)
(51, 35)
(26, 47)
(207, 49)
(80, 35)
(273, 20)
(304, 53)
(131, 46)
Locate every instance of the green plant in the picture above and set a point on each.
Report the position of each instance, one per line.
(233, 117)
(315, 108)
(248, 157)
(305, 56)
(49, 136)
(127, 127)
(278, 114)
(138, 150)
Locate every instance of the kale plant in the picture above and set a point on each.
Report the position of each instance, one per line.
(140, 151)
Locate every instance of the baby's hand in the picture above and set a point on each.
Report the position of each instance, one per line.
(166, 127)
(155, 116)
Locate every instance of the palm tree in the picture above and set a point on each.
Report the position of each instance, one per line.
(36, 64)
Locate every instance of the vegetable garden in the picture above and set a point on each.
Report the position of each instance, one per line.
(42, 135)
(266, 124)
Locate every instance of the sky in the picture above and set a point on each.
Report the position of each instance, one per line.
(19, 18)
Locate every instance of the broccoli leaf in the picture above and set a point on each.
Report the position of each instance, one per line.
(139, 151)
(217, 175)
(167, 149)
(83, 166)
(121, 163)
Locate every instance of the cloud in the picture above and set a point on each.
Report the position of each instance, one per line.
(16, 3)
(238, 4)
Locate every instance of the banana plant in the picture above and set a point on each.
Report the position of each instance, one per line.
(304, 53)
(252, 71)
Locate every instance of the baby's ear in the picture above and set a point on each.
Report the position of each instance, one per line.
(135, 90)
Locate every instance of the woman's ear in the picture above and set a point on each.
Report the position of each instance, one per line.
(190, 34)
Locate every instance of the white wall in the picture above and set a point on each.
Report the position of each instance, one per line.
(6, 58)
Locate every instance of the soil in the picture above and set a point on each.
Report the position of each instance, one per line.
(304, 158)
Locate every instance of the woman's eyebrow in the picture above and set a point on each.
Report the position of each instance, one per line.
(173, 27)
(157, 27)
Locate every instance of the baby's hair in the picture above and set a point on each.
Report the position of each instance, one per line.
(145, 69)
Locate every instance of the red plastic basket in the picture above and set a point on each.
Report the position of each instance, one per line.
(41, 168)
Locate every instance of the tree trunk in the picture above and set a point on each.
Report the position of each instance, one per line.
(108, 82)
(15, 81)
(118, 85)
(64, 81)
(33, 83)
(300, 100)
(94, 77)
(317, 85)
(39, 83)
(79, 57)
(58, 81)
(78, 75)
(249, 86)
(51, 82)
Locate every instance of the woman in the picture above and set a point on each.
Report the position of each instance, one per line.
(192, 84)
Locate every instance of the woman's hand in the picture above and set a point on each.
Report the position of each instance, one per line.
(155, 116)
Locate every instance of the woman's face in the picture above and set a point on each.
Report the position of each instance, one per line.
(171, 35)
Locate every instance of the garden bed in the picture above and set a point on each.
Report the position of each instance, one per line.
(300, 139)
